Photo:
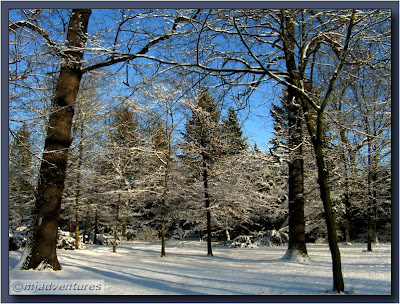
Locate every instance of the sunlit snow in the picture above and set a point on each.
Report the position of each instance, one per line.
(138, 269)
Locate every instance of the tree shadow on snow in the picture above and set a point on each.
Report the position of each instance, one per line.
(157, 284)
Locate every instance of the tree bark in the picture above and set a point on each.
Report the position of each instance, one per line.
(316, 134)
(338, 283)
(297, 240)
(43, 239)
(78, 190)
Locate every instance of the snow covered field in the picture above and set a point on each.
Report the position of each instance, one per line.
(138, 269)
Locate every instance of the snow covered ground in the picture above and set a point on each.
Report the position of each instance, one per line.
(138, 269)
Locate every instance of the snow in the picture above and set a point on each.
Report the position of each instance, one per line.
(138, 269)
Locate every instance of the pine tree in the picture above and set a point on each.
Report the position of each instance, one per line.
(20, 175)
(233, 135)
(203, 145)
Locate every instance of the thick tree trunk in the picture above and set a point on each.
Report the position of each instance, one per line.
(297, 241)
(43, 240)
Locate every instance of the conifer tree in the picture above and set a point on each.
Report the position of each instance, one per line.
(20, 175)
(203, 145)
(233, 135)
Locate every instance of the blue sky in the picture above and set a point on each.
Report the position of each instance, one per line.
(257, 125)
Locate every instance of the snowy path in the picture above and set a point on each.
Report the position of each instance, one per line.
(137, 269)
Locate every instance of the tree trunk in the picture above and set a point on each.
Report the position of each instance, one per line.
(338, 283)
(369, 238)
(164, 197)
(123, 230)
(207, 200)
(43, 239)
(96, 228)
(78, 176)
(316, 134)
(116, 224)
(371, 192)
(227, 235)
(297, 241)
(163, 253)
(88, 225)
(376, 241)
(346, 201)
(345, 149)
(76, 225)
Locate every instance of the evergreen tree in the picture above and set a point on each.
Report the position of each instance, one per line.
(233, 135)
(203, 145)
(20, 176)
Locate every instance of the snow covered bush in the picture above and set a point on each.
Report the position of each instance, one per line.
(106, 239)
(17, 238)
(269, 238)
(146, 234)
(66, 240)
(241, 241)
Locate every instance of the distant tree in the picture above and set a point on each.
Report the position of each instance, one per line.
(21, 189)
(250, 193)
(124, 157)
(374, 103)
(162, 145)
(232, 134)
(202, 147)
(88, 123)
